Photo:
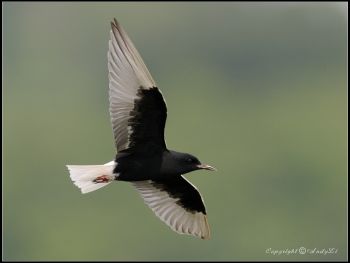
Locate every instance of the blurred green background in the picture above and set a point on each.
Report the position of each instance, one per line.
(259, 90)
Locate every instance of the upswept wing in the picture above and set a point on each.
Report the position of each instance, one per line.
(137, 109)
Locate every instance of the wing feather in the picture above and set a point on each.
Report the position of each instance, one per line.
(171, 206)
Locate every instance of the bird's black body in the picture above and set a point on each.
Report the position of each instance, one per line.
(138, 115)
(138, 166)
(160, 165)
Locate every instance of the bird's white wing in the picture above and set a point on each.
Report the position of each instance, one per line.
(177, 203)
(129, 81)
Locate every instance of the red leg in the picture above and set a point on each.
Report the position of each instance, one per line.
(102, 179)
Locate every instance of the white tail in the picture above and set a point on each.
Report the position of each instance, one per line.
(84, 176)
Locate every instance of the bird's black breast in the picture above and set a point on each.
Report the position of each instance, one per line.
(138, 166)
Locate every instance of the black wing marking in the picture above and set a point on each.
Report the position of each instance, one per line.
(178, 204)
(148, 120)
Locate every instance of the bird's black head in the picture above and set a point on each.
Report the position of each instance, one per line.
(181, 163)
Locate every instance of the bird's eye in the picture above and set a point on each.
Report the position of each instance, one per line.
(189, 160)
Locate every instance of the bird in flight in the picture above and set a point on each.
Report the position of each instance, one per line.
(138, 114)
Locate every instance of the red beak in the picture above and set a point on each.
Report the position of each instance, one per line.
(206, 167)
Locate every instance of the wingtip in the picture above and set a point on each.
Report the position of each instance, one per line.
(207, 234)
(115, 23)
(115, 27)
